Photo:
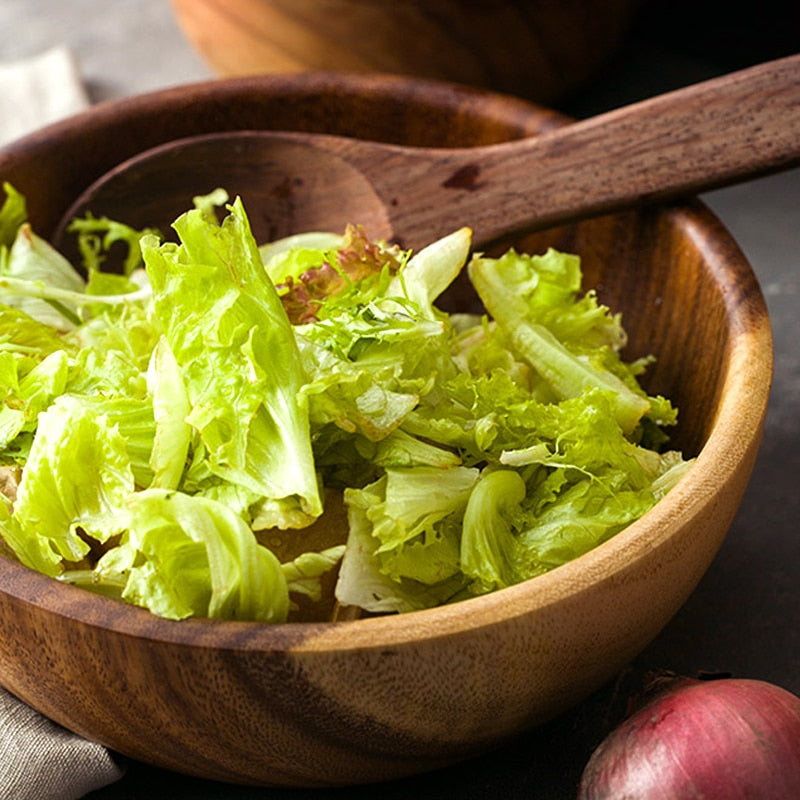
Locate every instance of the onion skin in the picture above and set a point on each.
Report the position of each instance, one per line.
(726, 739)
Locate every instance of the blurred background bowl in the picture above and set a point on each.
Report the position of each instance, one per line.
(321, 703)
(537, 49)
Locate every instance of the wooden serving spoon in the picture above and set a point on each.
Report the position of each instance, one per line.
(713, 133)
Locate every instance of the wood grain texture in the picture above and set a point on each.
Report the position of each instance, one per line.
(738, 126)
(532, 48)
(323, 703)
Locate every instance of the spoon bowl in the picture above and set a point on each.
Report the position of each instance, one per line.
(290, 185)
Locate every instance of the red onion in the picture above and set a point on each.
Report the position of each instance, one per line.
(725, 739)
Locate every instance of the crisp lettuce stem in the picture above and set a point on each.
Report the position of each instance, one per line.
(19, 287)
(567, 373)
(569, 376)
(487, 542)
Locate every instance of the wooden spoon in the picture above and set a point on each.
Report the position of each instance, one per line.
(713, 133)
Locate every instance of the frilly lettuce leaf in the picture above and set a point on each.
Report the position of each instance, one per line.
(29, 339)
(112, 351)
(133, 419)
(414, 502)
(97, 235)
(304, 572)
(227, 330)
(31, 265)
(534, 300)
(403, 548)
(400, 449)
(190, 556)
(28, 393)
(491, 554)
(430, 271)
(289, 258)
(367, 581)
(315, 273)
(545, 290)
(13, 213)
(75, 480)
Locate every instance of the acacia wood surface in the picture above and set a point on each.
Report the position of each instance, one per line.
(531, 48)
(730, 128)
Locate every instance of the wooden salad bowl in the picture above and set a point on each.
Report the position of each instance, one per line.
(322, 703)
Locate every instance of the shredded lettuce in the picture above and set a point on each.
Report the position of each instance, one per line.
(157, 424)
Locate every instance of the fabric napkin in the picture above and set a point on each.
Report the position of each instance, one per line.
(38, 90)
(40, 760)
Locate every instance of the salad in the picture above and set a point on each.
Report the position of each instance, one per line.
(164, 426)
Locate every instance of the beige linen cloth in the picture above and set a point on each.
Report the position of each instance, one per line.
(38, 90)
(40, 760)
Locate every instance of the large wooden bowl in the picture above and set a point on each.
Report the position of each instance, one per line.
(337, 703)
(537, 49)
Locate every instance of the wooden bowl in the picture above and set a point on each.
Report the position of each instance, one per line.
(534, 49)
(324, 703)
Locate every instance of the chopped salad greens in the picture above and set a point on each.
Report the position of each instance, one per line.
(158, 423)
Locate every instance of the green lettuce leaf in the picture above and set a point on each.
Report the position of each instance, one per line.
(13, 213)
(304, 572)
(491, 554)
(403, 546)
(29, 393)
(25, 336)
(582, 515)
(363, 580)
(541, 328)
(190, 556)
(172, 433)
(133, 420)
(37, 279)
(112, 351)
(227, 329)
(96, 237)
(340, 392)
(73, 486)
(430, 271)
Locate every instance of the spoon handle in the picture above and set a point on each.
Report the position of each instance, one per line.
(707, 135)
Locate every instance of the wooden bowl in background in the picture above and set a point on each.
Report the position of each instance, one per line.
(536, 49)
(323, 703)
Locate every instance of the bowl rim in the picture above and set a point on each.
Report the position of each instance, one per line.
(735, 431)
